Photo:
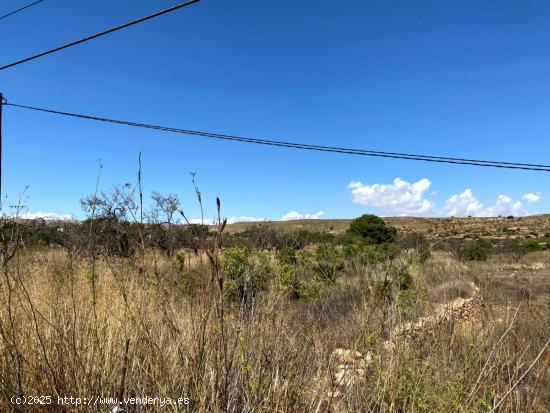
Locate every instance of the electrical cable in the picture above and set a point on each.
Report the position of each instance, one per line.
(103, 33)
(20, 9)
(295, 145)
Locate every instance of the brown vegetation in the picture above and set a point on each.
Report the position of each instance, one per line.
(245, 328)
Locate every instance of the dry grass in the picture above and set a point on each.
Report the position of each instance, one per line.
(65, 326)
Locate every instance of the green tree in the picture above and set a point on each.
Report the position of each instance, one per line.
(372, 229)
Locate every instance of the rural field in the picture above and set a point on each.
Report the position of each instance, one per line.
(364, 315)
(370, 232)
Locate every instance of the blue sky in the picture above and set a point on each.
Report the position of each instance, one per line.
(466, 79)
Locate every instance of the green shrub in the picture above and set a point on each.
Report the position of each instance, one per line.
(404, 278)
(515, 248)
(236, 273)
(304, 237)
(235, 263)
(308, 290)
(287, 254)
(287, 277)
(419, 243)
(262, 269)
(326, 262)
(532, 245)
(291, 281)
(410, 300)
(245, 274)
(191, 281)
(351, 251)
(478, 251)
(179, 261)
(380, 253)
(361, 254)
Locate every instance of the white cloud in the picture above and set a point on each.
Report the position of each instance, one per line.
(49, 216)
(200, 221)
(400, 197)
(466, 204)
(531, 198)
(230, 220)
(463, 204)
(406, 198)
(233, 219)
(505, 206)
(296, 215)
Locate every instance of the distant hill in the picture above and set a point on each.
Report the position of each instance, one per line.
(534, 225)
(325, 225)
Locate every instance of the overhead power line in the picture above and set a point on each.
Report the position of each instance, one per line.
(103, 33)
(20, 9)
(295, 145)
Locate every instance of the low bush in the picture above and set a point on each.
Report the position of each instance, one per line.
(191, 280)
(287, 255)
(326, 262)
(478, 251)
(245, 274)
(418, 243)
(291, 283)
(362, 254)
(515, 248)
(532, 245)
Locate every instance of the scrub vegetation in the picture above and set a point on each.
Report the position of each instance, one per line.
(362, 316)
